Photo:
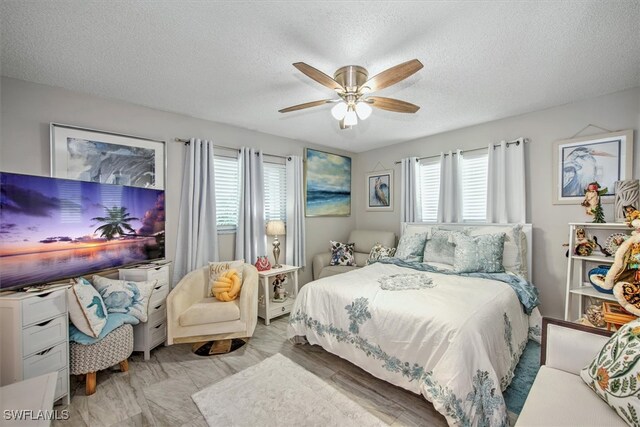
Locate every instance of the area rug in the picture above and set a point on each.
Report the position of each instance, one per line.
(523, 376)
(278, 392)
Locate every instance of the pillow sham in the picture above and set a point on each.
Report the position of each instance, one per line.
(217, 268)
(125, 296)
(514, 257)
(378, 251)
(86, 308)
(439, 247)
(479, 254)
(411, 247)
(342, 253)
(613, 374)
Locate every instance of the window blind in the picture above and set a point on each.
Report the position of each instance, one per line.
(227, 192)
(474, 187)
(275, 192)
(429, 188)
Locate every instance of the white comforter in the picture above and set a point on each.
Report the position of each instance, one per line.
(457, 342)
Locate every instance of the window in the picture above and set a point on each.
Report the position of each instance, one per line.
(227, 192)
(474, 187)
(429, 176)
(275, 192)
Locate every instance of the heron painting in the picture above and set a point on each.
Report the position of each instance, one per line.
(604, 159)
(379, 190)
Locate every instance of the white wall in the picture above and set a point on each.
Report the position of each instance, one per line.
(615, 111)
(28, 108)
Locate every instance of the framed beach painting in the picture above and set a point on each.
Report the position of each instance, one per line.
(604, 158)
(106, 157)
(379, 190)
(327, 184)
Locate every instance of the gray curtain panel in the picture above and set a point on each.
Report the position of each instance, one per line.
(251, 238)
(295, 212)
(450, 202)
(506, 191)
(410, 209)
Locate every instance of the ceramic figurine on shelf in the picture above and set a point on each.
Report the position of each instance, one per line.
(584, 246)
(279, 292)
(592, 201)
(632, 218)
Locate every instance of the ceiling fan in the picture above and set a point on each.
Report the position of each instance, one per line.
(352, 84)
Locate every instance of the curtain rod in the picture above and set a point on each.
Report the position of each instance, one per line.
(515, 141)
(187, 141)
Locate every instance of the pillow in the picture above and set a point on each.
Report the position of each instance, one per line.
(342, 253)
(439, 247)
(481, 254)
(411, 247)
(614, 372)
(217, 268)
(125, 296)
(378, 252)
(86, 308)
(227, 286)
(514, 257)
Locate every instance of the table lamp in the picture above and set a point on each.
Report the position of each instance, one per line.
(275, 228)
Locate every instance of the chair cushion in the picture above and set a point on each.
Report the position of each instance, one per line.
(559, 398)
(332, 270)
(210, 310)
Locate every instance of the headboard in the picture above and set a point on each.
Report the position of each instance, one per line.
(527, 229)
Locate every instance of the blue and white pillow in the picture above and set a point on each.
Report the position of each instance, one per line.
(411, 247)
(86, 308)
(439, 247)
(479, 254)
(125, 296)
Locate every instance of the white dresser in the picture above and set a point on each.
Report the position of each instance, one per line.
(34, 337)
(152, 333)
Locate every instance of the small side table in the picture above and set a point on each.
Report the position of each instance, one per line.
(268, 309)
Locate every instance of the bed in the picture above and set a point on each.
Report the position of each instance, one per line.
(454, 338)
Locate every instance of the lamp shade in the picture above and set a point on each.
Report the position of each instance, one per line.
(275, 228)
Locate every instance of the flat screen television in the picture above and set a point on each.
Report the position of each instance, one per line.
(52, 229)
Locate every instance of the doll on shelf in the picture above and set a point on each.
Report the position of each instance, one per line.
(584, 246)
(632, 218)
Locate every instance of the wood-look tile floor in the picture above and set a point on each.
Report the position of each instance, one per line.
(158, 392)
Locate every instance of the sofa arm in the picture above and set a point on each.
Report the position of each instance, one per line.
(249, 295)
(320, 261)
(186, 293)
(569, 346)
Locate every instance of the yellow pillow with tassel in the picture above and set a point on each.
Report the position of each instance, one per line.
(227, 286)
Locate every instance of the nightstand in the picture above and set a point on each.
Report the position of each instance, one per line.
(267, 308)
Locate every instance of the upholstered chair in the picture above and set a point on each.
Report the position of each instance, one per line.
(193, 315)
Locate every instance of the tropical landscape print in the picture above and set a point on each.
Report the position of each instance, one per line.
(54, 228)
(328, 184)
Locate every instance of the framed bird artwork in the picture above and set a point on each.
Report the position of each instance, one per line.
(604, 158)
(380, 190)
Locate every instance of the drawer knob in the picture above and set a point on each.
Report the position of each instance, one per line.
(282, 308)
(46, 322)
(42, 353)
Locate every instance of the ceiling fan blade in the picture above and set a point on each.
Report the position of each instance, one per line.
(391, 104)
(393, 75)
(318, 76)
(306, 105)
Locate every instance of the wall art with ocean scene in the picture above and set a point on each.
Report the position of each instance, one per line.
(327, 184)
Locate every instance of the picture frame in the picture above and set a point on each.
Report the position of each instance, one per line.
(605, 158)
(327, 184)
(107, 157)
(379, 191)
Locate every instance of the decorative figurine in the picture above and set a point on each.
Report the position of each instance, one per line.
(584, 246)
(279, 292)
(632, 218)
(592, 201)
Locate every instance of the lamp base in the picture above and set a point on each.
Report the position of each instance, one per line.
(276, 253)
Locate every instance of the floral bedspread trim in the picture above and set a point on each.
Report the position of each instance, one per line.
(403, 282)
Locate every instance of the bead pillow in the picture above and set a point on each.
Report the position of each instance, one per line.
(439, 247)
(125, 296)
(342, 253)
(479, 254)
(86, 308)
(411, 247)
(378, 252)
(614, 374)
(227, 286)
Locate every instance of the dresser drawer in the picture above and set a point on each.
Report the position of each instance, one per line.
(43, 307)
(50, 360)
(158, 334)
(158, 296)
(158, 316)
(161, 275)
(44, 335)
(62, 385)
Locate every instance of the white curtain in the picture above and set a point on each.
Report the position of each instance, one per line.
(410, 209)
(450, 201)
(506, 197)
(295, 247)
(251, 239)
(197, 241)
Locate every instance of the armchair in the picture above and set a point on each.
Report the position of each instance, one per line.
(195, 316)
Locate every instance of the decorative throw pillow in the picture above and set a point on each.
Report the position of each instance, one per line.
(342, 253)
(439, 247)
(481, 254)
(614, 373)
(86, 308)
(514, 256)
(411, 247)
(227, 286)
(125, 296)
(217, 268)
(378, 252)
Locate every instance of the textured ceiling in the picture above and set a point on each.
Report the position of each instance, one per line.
(231, 61)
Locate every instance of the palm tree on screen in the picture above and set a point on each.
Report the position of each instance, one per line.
(116, 223)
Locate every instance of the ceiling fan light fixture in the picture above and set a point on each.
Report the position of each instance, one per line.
(363, 109)
(339, 111)
(351, 119)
